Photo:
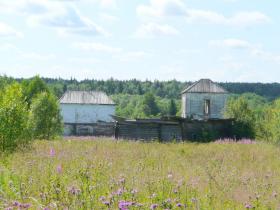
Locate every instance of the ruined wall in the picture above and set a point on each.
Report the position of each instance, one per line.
(193, 104)
(94, 129)
(190, 130)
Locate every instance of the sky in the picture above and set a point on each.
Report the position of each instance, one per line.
(224, 40)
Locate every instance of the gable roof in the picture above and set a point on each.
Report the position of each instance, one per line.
(204, 86)
(86, 97)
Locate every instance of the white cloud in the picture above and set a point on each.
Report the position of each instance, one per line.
(161, 8)
(37, 56)
(169, 8)
(133, 56)
(231, 43)
(254, 49)
(151, 30)
(108, 18)
(9, 31)
(108, 3)
(98, 47)
(61, 15)
(240, 19)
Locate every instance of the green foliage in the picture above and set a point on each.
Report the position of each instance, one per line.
(13, 118)
(271, 123)
(172, 109)
(150, 107)
(132, 106)
(33, 88)
(45, 119)
(239, 110)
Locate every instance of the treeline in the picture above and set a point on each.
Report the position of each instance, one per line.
(163, 89)
(28, 110)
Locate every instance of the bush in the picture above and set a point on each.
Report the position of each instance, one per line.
(244, 125)
(45, 119)
(13, 118)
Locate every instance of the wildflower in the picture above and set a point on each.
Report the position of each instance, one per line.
(107, 203)
(134, 191)
(102, 198)
(16, 203)
(175, 191)
(154, 206)
(124, 204)
(168, 200)
(74, 191)
(52, 152)
(248, 206)
(179, 205)
(59, 169)
(122, 180)
(194, 200)
(119, 192)
(153, 195)
(169, 176)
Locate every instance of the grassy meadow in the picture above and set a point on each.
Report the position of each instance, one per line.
(109, 174)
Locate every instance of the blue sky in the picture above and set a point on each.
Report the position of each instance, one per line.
(225, 40)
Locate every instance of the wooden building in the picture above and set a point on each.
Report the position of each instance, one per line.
(204, 100)
(87, 113)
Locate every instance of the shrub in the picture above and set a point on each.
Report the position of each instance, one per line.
(13, 118)
(244, 125)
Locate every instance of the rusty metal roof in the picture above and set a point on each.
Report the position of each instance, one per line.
(204, 86)
(86, 97)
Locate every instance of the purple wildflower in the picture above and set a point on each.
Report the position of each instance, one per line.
(122, 180)
(102, 198)
(119, 192)
(153, 206)
(124, 204)
(52, 152)
(59, 169)
(16, 203)
(179, 205)
(107, 203)
(74, 191)
(248, 206)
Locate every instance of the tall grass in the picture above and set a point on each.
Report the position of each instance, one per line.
(108, 174)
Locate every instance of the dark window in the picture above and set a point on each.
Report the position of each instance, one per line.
(207, 107)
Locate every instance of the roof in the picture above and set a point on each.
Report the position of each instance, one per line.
(86, 97)
(204, 86)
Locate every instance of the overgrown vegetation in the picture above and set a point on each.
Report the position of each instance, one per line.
(255, 117)
(27, 111)
(107, 174)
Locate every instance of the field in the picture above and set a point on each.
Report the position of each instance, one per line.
(109, 174)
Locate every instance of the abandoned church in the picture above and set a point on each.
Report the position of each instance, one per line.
(203, 103)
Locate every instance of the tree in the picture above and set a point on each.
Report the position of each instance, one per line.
(150, 107)
(244, 125)
(34, 87)
(45, 119)
(13, 118)
(172, 109)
